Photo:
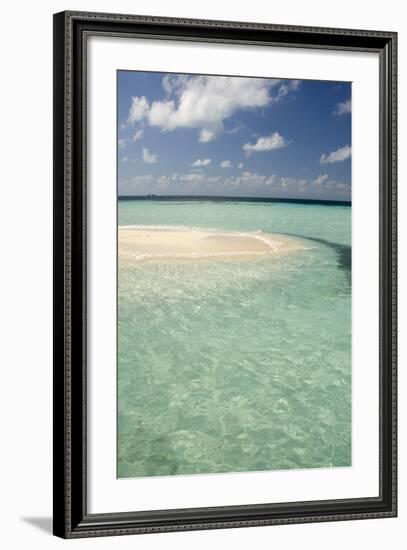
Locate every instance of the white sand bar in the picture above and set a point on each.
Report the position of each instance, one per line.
(143, 243)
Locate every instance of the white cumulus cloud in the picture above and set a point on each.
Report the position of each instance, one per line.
(284, 89)
(148, 157)
(191, 177)
(206, 135)
(205, 102)
(343, 108)
(339, 155)
(267, 143)
(203, 162)
(321, 179)
(138, 110)
(225, 164)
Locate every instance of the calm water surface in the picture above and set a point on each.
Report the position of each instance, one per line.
(228, 366)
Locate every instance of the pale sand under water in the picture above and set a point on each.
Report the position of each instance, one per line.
(142, 243)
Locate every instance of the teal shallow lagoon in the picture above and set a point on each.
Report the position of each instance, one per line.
(231, 366)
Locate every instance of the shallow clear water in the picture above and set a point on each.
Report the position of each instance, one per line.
(227, 366)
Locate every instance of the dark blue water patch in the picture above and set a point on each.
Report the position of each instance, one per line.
(343, 251)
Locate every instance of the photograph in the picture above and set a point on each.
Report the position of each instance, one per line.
(234, 281)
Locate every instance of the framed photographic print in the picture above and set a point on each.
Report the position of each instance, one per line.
(224, 274)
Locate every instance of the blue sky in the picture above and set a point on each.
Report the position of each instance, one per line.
(233, 136)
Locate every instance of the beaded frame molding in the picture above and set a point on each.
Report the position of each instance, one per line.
(71, 30)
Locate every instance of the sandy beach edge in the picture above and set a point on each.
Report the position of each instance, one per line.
(143, 243)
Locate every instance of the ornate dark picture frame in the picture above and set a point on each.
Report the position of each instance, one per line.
(71, 517)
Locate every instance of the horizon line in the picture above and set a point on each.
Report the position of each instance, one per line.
(232, 198)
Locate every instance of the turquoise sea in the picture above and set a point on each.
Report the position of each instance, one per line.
(230, 366)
